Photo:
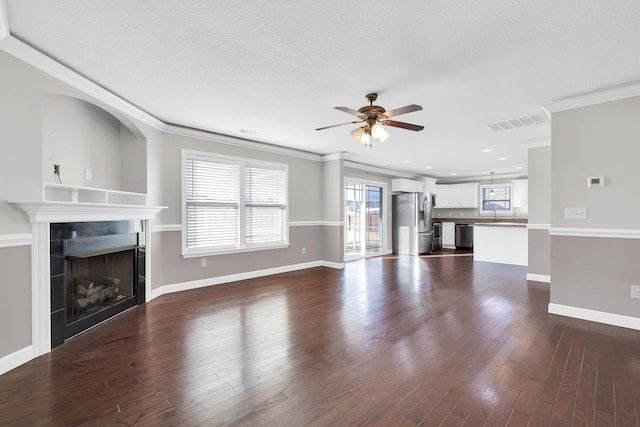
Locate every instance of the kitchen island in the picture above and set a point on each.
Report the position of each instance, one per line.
(501, 242)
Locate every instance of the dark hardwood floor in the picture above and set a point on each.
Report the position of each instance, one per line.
(390, 341)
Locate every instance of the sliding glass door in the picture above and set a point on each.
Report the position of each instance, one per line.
(363, 216)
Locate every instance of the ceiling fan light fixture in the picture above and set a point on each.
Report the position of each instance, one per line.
(380, 133)
(357, 133)
(365, 139)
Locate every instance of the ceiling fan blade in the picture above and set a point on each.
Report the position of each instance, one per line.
(341, 124)
(403, 125)
(351, 111)
(402, 110)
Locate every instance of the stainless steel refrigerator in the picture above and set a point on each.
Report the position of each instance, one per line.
(412, 222)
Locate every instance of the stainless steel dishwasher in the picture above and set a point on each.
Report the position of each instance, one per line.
(464, 236)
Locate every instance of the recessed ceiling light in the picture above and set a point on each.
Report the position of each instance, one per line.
(502, 158)
(453, 174)
(427, 167)
(518, 167)
(407, 162)
(486, 150)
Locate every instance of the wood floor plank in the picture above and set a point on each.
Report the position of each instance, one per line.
(388, 341)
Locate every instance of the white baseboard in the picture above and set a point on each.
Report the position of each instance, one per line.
(545, 278)
(195, 284)
(595, 316)
(13, 360)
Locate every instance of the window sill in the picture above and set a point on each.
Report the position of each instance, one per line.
(209, 252)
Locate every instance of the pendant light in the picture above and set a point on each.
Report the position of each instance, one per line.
(491, 192)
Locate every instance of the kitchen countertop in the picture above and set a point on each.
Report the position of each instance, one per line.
(511, 222)
(501, 224)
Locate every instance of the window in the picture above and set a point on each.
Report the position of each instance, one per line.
(496, 199)
(232, 204)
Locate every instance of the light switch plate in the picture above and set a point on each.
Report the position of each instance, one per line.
(575, 213)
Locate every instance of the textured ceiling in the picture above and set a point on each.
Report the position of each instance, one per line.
(277, 68)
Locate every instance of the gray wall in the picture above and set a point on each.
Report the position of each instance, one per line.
(539, 241)
(600, 140)
(591, 272)
(15, 305)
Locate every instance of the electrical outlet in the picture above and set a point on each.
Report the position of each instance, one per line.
(88, 175)
(304, 251)
(635, 291)
(203, 262)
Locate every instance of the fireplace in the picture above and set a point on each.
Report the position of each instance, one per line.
(97, 272)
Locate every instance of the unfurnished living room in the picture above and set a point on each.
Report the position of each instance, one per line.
(289, 213)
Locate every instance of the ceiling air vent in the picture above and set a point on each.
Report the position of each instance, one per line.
(518, 122)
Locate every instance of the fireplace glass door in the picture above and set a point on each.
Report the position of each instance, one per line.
(98, 282)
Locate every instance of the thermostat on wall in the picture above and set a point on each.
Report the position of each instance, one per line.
(595, 181)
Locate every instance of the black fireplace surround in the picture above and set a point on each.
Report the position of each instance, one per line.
(97, 272)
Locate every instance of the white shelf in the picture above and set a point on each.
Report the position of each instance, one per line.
(71, 194)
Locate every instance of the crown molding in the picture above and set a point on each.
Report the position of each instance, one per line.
(239, 142)
(614, 93)
(42, 62)
(383, 171)
(485, 177)
(334, 156)
(543, 141)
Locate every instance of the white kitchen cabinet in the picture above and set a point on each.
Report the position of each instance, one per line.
(429, 185)
(442, 196)
(520, 193)
(457, 196)
(449, 235)
(407, 185)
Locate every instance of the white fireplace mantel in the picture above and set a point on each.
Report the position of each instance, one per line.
(47, 211)
(72, 204)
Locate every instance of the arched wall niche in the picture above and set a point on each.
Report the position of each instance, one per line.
(93, 147)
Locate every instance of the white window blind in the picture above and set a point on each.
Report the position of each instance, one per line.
(213, 204)
(233, 204)
(265, 201)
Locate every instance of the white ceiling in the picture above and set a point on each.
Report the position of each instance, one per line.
(278, 67)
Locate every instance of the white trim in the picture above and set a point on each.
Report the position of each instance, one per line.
(202, 283)
(383, 171)
(610, 233)
(40, 289)
(316, 223)
(330, 157)
(615, 93)
(166, 227)
(4, 20)
(545, 278)
(546, 227)
(15, 359)
(178, 227)
(53, 68)
(543, 141)
(14, 240)
(240, 142)
(472, 179)
(595, 316)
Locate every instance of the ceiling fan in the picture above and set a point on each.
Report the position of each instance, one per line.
(373, 117)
